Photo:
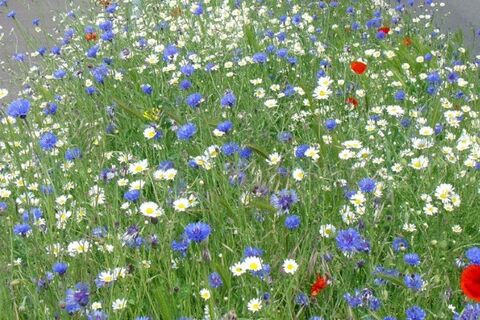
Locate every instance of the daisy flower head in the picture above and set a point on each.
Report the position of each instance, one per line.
(252, 263)
(290, 266)
(151, 210)
(254, 305)
(205, 294)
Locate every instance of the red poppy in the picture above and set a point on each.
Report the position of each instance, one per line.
(91, 36)
(407, 41)
(358, 67)
(385, 30)
(352, 101)
(319, 284)
(470, 282)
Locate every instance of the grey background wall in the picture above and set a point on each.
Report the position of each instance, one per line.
(463, 14)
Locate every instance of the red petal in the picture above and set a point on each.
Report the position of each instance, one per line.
(384, 29)
(358, 67)
(470, 282)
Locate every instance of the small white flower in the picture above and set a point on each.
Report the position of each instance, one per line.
(181, 204)
(205, 294)
(327, 230)
(298, 174)
(238, 269)
(274, 159)
(138, 167)
(290, 266)
(254, 305)
(151, 210)
(253, 264)
(119, 304)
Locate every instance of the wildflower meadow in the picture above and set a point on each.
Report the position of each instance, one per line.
(229, 159)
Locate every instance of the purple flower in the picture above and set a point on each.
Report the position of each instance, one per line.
(215, 280)
(186, 131)
(77, 298)
(415, 313)
(48, 141)
(367, 185)
(22, 229)
(259, 57)
(351, 241)
(19, 108)
(292, 222)
(198, 231)
(412, 259)
(413, 281)
(60, 268)
(473, 255)
(284, 200)
(228, 100)
(194, 100)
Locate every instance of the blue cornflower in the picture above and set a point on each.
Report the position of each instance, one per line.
(285, 136)
(194, 100)
(282, 52)
(353, 300)
(19, 108)
(147, 89)
(225, 126)
(187, 70)
(72, 154)
(330, 124)
(284, 200)
(367, 185)
(400, 95)
(230, 148)
(97, 315)
(292, 222)
(181, 246)
(228, 100)
(198, 9)
(186, 131)
(350, 241)
(412, 259)
(245, 153)
(60, 268)
(399, 244)
(77, 298)
(389, 318)
(415, 313)
(185, 84)
(106, 25)
(473, 255)
(3, 206)
(48, 141)
(165, 165)
(413, 281)
(12, 14)
(93, 51)
(300, 150)
(22, 229)
(170, 52)
(259, 57)
(59, 74)
(50, 108)
(470, 312)
(252, 252)
(131, 195)
(215, 280)
(302, 299)
(198, 231)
